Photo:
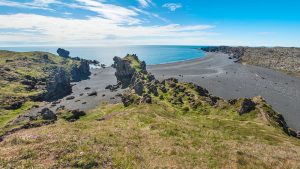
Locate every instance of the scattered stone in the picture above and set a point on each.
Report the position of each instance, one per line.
(70, 98)
(103, 95)
(81, 94)
(87, 88)
(84, 102)
(94, 93)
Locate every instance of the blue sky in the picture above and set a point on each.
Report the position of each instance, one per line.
(149, 22)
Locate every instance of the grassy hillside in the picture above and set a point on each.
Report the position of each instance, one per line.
(23, 78)
(170, 125)
(151, 136)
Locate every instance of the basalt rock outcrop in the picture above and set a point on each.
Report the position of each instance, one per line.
(63, 53)
(285, 59)
(58, 86)
(81, 71)
(126, 68)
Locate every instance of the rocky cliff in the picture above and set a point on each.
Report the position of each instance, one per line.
(277, 58)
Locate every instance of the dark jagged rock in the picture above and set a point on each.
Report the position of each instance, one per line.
(246, 106)
(63, 53)
(80, 72)
(58, 86)
(124, 71)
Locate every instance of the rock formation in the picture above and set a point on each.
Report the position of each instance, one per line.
(58, 86)
(63, 53)
(81, 71)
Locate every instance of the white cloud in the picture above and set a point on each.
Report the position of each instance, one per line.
(35, 4)
(145, 3)
(31, 29)
(172, 6)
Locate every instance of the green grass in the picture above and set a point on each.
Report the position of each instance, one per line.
(150, 136)
(135, 63)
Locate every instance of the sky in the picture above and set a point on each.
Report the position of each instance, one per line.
(149, 22)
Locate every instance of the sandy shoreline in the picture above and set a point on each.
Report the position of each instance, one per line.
(220, 75)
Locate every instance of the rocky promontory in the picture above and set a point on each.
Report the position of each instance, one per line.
(285, 59)
(144, 88)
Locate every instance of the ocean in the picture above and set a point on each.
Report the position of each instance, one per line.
(151, 54)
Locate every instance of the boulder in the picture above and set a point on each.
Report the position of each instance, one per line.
(94, 93)
(48, 114)
(70, 97)
(246, 106)
(147, 99)
(139, 88)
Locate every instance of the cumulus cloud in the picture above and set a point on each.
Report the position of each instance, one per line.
(111, 25)
(172, 6)
(38, 29)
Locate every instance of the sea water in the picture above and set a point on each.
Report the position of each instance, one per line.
(151, 54)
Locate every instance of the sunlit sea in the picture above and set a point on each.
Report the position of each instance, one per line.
(151, 54)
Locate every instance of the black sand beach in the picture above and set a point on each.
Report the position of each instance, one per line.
(220, 75)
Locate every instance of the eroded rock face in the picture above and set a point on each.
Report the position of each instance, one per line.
(59, 85)
(80, 72)
(124, 71)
